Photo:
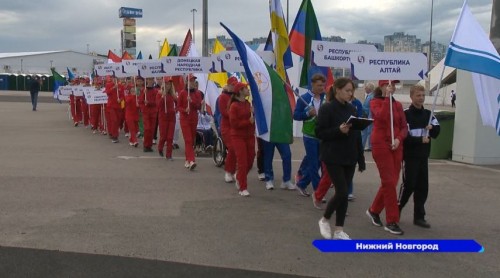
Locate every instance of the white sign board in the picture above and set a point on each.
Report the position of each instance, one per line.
(337, 54)
(152, 69)
(185, 65)
(388, 65)
(230, 61)
(65, 91)
(94, 96)
(78, 91)
(131, 67)
(105, 69)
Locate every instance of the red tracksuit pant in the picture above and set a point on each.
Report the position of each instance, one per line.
(133, 127)
(85, 112)
(166, 125)
(188, 127)
(95, 115)
(230, 162)
(76, 110)
(245, 154)
(149, 120)
(389, 167)
(324, 184)
(112, 119)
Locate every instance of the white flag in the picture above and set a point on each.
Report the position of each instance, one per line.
(470, 49)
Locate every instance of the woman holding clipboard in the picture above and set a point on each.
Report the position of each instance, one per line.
(340, 150)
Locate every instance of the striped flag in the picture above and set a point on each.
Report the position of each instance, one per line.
(270, 102)
(470, 49)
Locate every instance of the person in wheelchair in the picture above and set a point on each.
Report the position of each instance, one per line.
(204, 129)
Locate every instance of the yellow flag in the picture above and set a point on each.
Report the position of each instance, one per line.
(165, 49)
(219, 78)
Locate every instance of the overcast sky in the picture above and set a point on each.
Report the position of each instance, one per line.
(70, 25)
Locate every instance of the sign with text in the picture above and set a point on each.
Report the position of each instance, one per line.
(129, 12)
(105, 70)
(388, 65)
(337, 54)
(94, 96)
(184, 65)
(230, 61)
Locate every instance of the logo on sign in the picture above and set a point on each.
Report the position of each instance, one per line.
(361, 59)
(320, 47)
(262, 81)
(228, 56)
(144, 67)
(169, 61)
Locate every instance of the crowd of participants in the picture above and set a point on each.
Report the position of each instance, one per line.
(141, 108)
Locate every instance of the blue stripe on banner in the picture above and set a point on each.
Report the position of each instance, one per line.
(399, 246)
(471, 62)
(258, 108)
(493, 56)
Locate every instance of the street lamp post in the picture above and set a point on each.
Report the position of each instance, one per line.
(429, 54)
(193, 11)
(51, 64)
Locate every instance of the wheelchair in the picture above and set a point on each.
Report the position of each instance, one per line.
(200, 147)
(219, 152)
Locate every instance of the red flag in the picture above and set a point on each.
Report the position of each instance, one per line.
(178, 80)
(113, 58)
(126, 56)
(187, 44)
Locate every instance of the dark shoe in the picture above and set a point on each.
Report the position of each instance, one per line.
(421, 223)
(148, 150)
(160, 153)
(175, 146)
(114, 140)
(394, 229)
(375, 218)
(303, 192)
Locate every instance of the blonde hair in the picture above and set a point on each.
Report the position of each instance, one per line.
(416, 88)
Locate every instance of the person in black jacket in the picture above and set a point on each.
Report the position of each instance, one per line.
(417, 146)
(340, 150)
(34, 89)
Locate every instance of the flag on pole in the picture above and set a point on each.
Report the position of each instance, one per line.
(281, 44)
(270, 102)
(126, 56)
(187, 44)
(165, 49)
(113, 58)
(470, 49)
(71, 76)
(219, 78)
(305, 28)
(58, 81)
(139, 56)
(173, 51)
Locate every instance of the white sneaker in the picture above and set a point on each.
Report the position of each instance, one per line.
(262, 176)
(351, 197)
(341, 235)
(287, 185)
(245, 193)
(325, 229)
(228, 177)
(269, 185)
(186, 164)
(192, 165)
(127, 135)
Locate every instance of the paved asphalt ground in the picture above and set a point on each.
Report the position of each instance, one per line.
(72, 204)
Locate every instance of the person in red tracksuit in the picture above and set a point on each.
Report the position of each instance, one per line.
(84, 105)
(166, 101)
(387, 156)
(74, 103)
(224, 99)
(189, 104)
(242, 134)
(132, 116)
(147, 101)
(95, 111)
(114, 90)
